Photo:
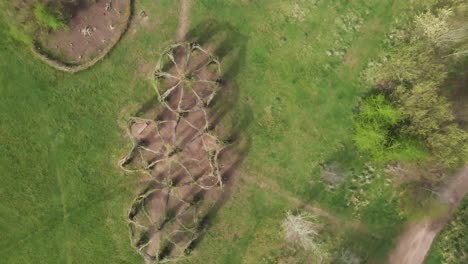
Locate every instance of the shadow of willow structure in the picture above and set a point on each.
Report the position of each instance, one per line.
(179, 153)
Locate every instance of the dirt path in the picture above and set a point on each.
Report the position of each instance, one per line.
(416, 241)
(183, 21)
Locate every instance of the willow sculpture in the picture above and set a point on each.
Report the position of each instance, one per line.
(179, 152)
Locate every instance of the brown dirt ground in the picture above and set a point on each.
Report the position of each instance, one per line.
(72, 46)
(416, 240)
(350, 58)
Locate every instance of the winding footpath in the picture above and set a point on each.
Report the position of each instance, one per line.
(416, 240)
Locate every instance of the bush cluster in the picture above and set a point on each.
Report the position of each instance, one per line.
(409, 118)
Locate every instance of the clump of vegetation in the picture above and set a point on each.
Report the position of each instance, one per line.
(302, 231)
(332, 176)
(372, 124)
(376, 124)
(433, 26)
(442, 29)
(27, 19)
(359, 196)
(349, 22)
(410, 115)
(373, 200)
(348, 257)
(47, 18)
(451, 247)
(348, 25)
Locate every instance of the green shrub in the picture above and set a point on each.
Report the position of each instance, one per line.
(379, 112)
(425, 108)
(410, 62)
(383, 215)
(47, 18)
(450, 146)
(377, 133)
(419, 204)
(370, 139)
(451, 246)
(408, 150)
(372, 126)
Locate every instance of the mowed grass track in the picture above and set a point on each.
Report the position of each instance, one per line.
(63, 198)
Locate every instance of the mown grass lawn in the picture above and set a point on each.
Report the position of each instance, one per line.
(63, 198)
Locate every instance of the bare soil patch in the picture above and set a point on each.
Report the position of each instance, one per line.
(350, 58)
(91, 31)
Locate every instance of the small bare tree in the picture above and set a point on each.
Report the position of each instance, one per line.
(444, 31)
(301, 230)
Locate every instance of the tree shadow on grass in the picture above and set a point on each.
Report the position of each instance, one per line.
(230, 116)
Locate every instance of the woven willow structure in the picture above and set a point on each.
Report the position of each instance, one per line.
(180, 154)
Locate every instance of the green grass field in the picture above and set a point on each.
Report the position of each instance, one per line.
(64, 199)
